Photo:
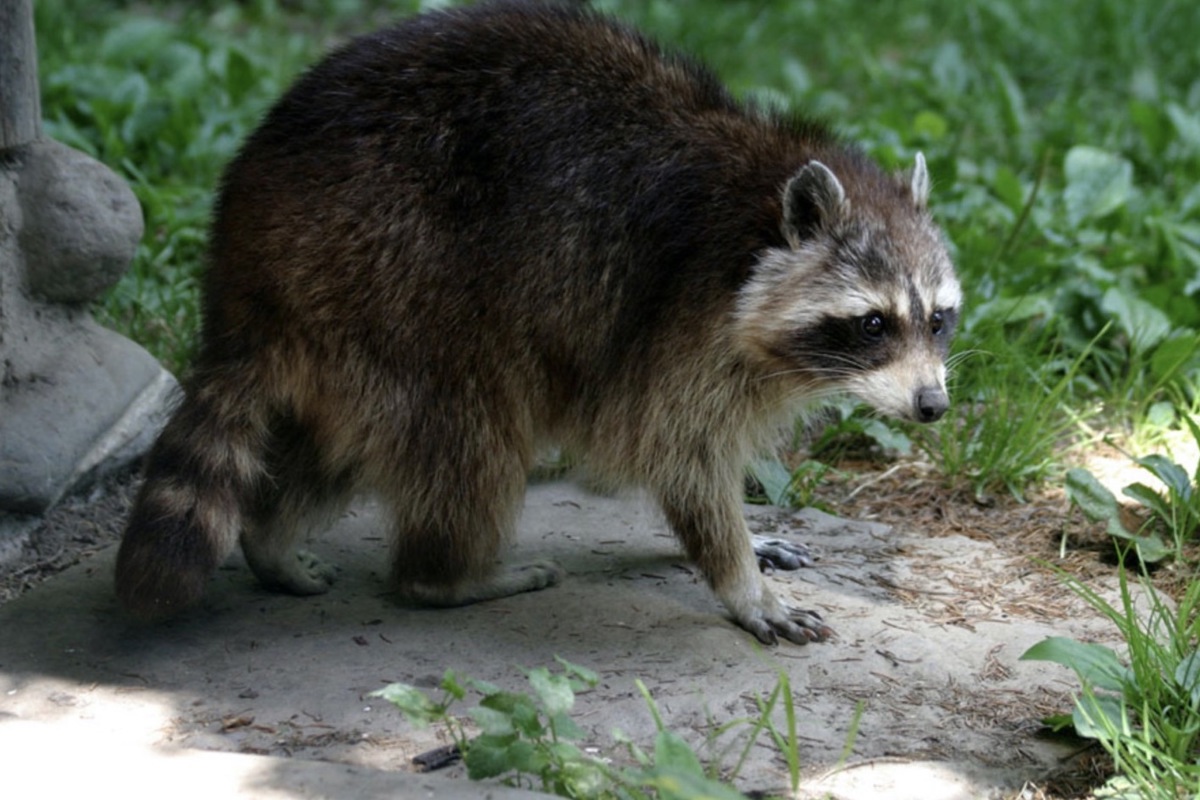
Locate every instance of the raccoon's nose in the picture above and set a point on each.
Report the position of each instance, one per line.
(931, 403)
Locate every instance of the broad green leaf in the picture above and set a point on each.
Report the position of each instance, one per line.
(586, 676)
(491, 721)
(887, 437)
(1144, 323)
(553, 690)
(452, 686)
(564, 752)
(1016, 309)
(488, 756)
(1174, 355)
(1194, 427)
(949, 69)
(525, 756)
(1008, 188)
(566, 728)
(1098, 183)
(774, 478)
(1187, 675)
(239, 75)
(414, 703)
(931, 125)
(1097, 502)
(1162, 413)
(1100, 717)
(583, 778)
(1149, 498)
(183, 64)
(136, 38)
(1095, 664)
(1151, 548)
(520, 710)
(1170, 473)
(1187, 125)
(1148, 118)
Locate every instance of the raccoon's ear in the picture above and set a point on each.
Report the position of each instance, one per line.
(920, 183)
(813, 198)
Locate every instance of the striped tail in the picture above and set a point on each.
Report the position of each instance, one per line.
(201, 475)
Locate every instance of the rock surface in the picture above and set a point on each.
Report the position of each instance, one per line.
(76, 400)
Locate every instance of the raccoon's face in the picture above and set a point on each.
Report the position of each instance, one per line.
(863, 302)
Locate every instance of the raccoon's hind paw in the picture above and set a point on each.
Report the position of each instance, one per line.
(531, 577)
(303, 573)
(506, 581)
(781, 554)
(317, 575)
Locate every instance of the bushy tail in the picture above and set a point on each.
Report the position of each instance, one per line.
(201, 475)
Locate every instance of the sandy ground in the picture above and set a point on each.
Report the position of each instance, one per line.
(929, 634)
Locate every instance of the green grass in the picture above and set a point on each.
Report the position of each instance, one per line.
(1143, 710)
(1064, 143)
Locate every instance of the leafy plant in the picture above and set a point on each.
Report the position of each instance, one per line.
(788, 489)
(1145, 715)
(1177, 510)
(521, 735)
(530, 737)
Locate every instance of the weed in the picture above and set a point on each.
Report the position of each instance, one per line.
(788, 489)
(528, 739)
(1177, 510)
(1145, 715)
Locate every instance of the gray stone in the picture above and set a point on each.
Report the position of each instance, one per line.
(94, 401)
(76, 400)
(81, 226)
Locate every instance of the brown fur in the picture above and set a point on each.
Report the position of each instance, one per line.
(471, 236)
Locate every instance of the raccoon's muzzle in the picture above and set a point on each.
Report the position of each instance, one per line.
(931, 403)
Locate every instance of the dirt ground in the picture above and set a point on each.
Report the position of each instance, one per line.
(934, 595)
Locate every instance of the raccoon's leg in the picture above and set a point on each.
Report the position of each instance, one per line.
(707, 517)
(301, 500)
(449, 530)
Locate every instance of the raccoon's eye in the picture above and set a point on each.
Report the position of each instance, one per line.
(937, 322)
(872, 325)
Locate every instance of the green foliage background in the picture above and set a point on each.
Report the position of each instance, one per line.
(1063, 140)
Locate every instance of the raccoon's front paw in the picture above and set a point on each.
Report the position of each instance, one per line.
(781, 554)
(796, 625)
(768, 619)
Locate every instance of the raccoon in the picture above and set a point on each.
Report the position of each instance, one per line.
(491, 230)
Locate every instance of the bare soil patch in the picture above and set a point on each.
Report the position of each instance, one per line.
(934, 595)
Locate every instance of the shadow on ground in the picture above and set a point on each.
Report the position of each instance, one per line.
(930, 631)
